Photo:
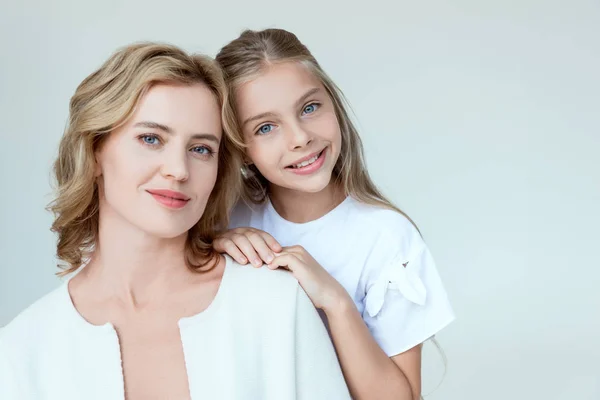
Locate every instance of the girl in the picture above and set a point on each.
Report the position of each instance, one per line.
(146, 175)
(305, 183)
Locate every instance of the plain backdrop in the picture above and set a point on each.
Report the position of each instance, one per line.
(480, 119)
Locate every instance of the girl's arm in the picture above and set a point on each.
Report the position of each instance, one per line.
(369, 372)
(318, 372)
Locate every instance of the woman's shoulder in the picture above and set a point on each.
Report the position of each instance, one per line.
(39, 317)
(260, 287)
(261, 277)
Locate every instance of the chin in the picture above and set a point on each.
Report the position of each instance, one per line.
(315, 186)
(165, 231)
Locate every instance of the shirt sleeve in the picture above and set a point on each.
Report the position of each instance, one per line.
(318, 372)
(405, 301)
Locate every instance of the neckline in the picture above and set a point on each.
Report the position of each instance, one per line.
(305, 225)
(215, 303)
(183, 322)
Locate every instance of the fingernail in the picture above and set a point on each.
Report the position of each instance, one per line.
(243, 260)
(257, 262)
(269, 258)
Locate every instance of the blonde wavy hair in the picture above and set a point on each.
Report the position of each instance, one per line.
(245, 58)
(105, 100)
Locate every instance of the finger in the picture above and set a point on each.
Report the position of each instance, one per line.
(298, 251)
(294, 249)
(285, 260)
(271, 242)
(219, 244)
(261, 246)
(223, 245)
(246, 247)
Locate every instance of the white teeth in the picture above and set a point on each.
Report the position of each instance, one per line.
(307, 162)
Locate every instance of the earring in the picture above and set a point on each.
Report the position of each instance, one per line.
(247, 173)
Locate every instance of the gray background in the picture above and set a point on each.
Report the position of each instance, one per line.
(480, 119)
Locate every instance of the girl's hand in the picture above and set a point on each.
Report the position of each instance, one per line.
(323, 290)
(244, 244)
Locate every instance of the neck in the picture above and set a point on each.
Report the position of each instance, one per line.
(132, 265)
(301, 207)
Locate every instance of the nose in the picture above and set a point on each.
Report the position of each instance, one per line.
(175, 165)
(298, 137)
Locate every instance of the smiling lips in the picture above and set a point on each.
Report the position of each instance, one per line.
(309, 164)
(169, 198)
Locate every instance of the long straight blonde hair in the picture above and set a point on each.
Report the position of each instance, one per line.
(245, 58)
(105, 100)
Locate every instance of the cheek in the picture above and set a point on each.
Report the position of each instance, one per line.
(204, 178)
(264, 155)
(118, 183)
(213, 175)
(123, 172)
(330, 129)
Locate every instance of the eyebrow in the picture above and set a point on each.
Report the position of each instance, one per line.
(168, 130)
(257, 117)
(307, 95)
(299, 102)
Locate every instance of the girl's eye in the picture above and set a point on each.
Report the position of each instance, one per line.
(265, 129)
(311, 108)
(151, 140)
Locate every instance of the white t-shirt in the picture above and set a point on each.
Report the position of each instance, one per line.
(261, 338)
(380, 259)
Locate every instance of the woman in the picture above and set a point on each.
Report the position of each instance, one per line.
(306, 185)
(146, 176)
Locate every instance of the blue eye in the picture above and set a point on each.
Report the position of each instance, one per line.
(265, 129)
(150, 140)
(311, 108)
(203, 151)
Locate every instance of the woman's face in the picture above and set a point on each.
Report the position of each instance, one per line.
(158, 170)
(290, 127)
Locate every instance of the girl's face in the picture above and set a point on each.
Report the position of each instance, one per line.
(158, 170)
(290, 127)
